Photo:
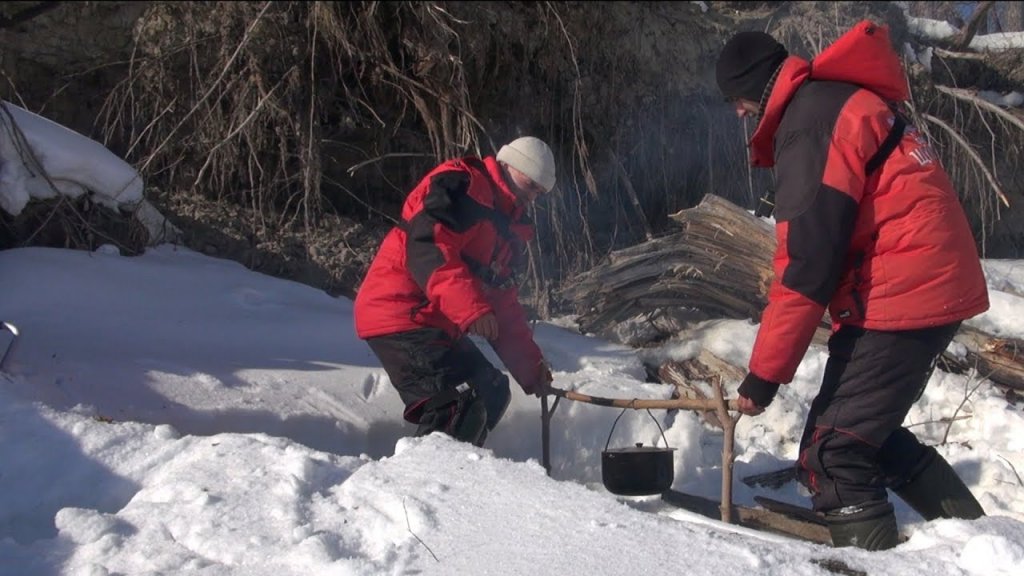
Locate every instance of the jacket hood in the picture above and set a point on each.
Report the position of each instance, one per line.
(862, 56)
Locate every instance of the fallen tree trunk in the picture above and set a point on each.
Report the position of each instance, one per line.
(719, 266)
(1000, 360)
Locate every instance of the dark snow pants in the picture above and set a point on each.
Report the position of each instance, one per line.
(446, 384)
(854, 445)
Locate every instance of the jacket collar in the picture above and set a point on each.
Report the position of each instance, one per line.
(862, 56)
(795, 71)
(504, 199)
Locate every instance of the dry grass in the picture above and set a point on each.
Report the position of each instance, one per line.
(287, 134)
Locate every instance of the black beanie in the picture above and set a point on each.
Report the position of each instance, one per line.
(747, 63)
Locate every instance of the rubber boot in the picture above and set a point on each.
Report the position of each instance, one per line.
(464, 419)
(871, 526)
(472, 424)
(937, 492)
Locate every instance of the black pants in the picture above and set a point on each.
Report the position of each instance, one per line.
(854, 445)
(446, 384)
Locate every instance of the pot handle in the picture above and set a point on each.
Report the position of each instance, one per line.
(612, 431)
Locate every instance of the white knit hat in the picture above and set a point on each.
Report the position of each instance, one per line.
(532, 157)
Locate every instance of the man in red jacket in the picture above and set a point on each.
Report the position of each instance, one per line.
(868, 227)
(447, 271)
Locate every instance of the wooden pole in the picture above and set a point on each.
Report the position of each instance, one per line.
(545, 432)
(695, 404)
(728, 453)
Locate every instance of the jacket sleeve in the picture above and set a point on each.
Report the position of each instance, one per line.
(820, 181)
(435, 238)
(515, 344)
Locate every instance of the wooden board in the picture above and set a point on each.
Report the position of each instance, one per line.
(791, 510)
(798, 522)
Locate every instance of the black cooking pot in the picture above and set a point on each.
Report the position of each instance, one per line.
(637, 470)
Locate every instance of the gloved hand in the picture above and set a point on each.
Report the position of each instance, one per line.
(755, 394)
(485, 326)
(542, 383)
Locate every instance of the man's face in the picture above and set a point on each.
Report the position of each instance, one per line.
(525, 189)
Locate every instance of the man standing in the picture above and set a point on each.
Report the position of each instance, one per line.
(447, 271)
(868, 226)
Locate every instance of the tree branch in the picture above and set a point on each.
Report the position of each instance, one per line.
(970, 96)
(970, 152)
(971, 29)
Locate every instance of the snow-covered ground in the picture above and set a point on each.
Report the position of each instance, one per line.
(173, 413)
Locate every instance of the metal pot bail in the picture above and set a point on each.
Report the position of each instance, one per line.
(656, 423)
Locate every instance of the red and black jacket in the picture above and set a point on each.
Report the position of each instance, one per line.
(889, 249)
(451, 261)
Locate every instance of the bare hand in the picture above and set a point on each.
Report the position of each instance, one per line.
(747, 406)
(485, 326)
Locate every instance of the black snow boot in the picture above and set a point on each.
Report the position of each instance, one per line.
(937, 492)
(871, 526)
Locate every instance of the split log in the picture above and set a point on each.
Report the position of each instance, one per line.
(719, 266)
(692, 379)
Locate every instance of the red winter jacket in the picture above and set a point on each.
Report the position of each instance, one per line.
(887, 251)
(451, 262)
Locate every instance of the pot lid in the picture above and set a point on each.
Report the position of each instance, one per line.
(639, 450)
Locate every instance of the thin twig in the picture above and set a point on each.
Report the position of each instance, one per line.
(1012, 468)
(967, 397)
(227, 67)
(972, 153)
(259, 106)
(968, 96)
(942, 420)
(408, 525)
(582, 152)
(352, 169)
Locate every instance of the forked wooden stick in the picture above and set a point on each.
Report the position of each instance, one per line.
(728, 454)
(695, 404)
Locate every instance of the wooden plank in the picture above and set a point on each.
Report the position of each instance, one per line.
(791, 510)
(754, 518)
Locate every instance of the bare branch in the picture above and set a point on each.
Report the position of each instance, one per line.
(958, 55)
(970, 152)
(1020, 482)
(967, 396)
(238, 50)
(964, 40)
(972, 97)
(408, 526)
(624, 178)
